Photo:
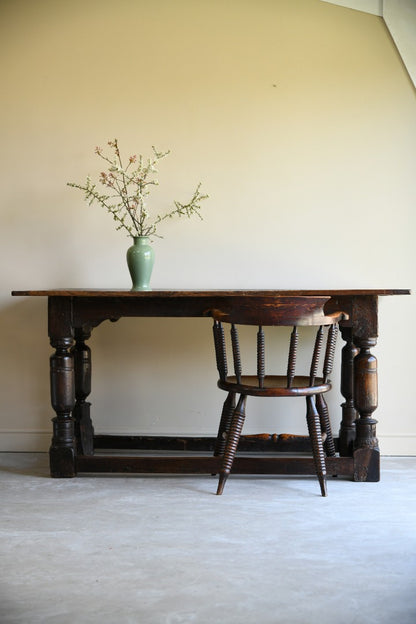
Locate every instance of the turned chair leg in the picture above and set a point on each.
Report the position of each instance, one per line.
(314, 427)
(232, 442)
(225, 424)
(323, 412)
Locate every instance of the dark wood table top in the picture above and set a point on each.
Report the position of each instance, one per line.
(97, 292)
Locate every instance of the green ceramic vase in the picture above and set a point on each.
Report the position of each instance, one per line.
(140, 260)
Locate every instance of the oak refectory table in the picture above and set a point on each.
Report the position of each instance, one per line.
(72, 316)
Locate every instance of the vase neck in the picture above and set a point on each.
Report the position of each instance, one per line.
(139, 240)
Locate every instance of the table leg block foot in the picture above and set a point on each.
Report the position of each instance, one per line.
(84, 430)
(62, 462)
(367, 464)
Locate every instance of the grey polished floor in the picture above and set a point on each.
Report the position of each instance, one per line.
(164, 550)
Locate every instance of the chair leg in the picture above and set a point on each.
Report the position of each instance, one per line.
(322, 408)
(232, 442)
(314, 427)
(225, 424)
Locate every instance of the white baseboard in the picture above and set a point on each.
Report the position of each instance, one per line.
(24, 441)
(400, 445)
(28, 441)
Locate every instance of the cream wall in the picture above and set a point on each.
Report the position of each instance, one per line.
(298, 118)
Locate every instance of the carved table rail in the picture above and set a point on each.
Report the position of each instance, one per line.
(73, 314)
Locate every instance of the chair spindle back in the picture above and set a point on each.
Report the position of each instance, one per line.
(221, 353)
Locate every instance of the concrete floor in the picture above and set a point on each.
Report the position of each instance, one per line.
(165, 549)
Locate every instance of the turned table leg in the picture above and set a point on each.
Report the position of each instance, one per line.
(347, 432)
(84, 431)
(366, 451)
(62, 452)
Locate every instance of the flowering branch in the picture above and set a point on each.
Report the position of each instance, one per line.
(129, 187)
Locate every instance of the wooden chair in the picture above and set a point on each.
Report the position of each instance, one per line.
(291, 384)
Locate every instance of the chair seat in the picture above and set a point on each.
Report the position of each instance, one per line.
(274, 386)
